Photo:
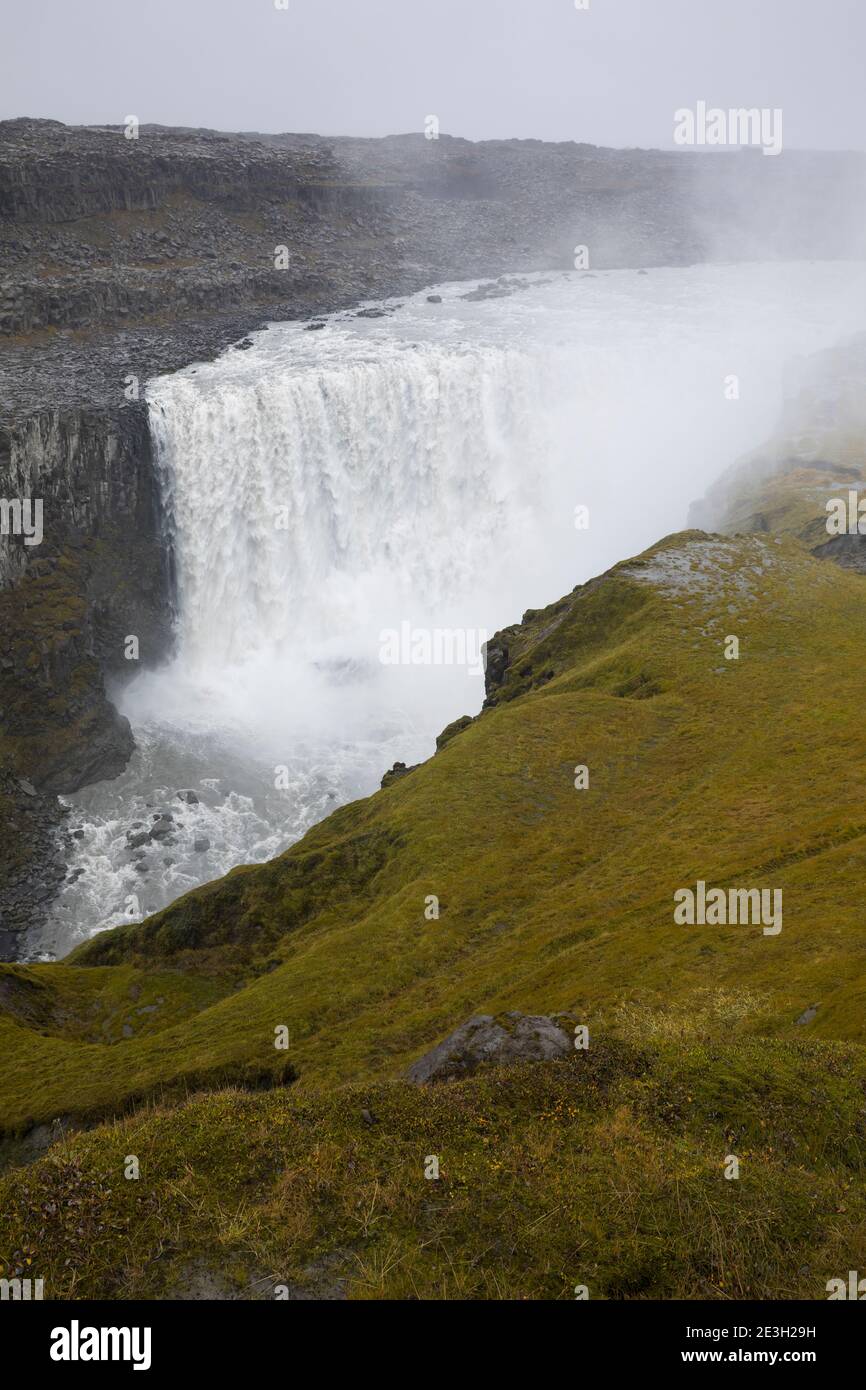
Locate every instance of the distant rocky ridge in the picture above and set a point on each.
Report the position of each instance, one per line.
(166, 243)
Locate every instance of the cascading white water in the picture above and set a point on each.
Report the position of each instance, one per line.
(422, 467)
(301, 500)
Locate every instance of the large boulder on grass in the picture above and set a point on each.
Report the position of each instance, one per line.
(508, 1038)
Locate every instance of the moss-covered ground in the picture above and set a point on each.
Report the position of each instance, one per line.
(606, 1171)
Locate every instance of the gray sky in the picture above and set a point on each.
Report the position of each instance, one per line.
(487, 68)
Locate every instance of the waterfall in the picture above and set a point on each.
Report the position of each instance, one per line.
(306, 503)
(426, 464)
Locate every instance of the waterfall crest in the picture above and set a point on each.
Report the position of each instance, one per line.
(304, 503)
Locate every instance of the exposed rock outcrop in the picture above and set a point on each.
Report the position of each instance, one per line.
(31, 867)
(452, 730)
(92, 471)
(69, 605)
(395, 773)
(512, 1037)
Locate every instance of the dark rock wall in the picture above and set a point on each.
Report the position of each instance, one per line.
(67, 605)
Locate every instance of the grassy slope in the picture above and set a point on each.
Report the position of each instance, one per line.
(741, 773)
(606, 1171)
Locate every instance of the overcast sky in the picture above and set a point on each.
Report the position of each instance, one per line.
(487, 68)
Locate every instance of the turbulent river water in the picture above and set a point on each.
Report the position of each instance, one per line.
(413, 470)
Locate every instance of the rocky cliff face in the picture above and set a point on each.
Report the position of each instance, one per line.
(99, 576)
(67, 607)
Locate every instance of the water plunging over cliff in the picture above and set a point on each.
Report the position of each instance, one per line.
(420, 468)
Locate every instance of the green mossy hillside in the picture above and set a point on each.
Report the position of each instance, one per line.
(305, 1166)
(606, 1171)
(741, 773)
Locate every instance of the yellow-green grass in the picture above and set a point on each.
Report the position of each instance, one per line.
(606, 1171)
(742, 773)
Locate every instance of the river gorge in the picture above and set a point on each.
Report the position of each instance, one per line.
(443, 460)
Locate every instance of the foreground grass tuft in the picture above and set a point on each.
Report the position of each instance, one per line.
(607, 1170)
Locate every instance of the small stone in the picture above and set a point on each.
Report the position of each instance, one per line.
(163, 826)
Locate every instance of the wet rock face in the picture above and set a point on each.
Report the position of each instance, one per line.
(93, 472)
(496, 661)
(847, 551)
(31, 862)
(510, 1038)
(57, 726)
(99, 575)
(69, 604)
